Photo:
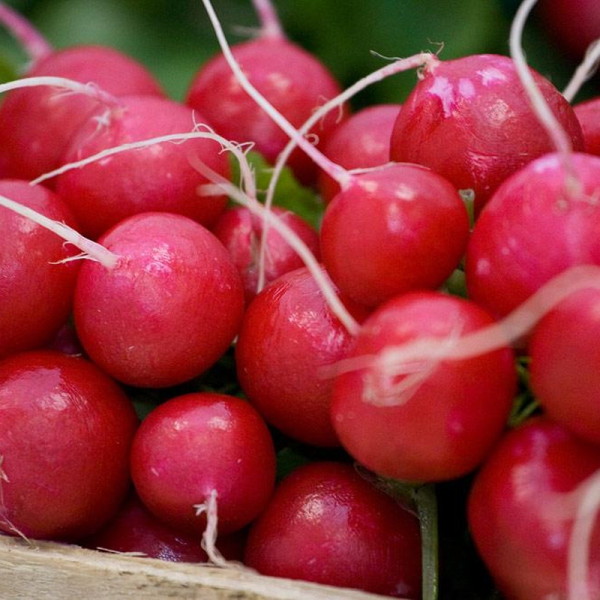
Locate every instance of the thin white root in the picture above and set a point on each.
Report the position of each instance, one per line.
(3, 518)
(415, 360)
(584, 71)
(209, 537)
(557, 134)
(334, 170)
(65, 85)
(92, 250)
(222, 185)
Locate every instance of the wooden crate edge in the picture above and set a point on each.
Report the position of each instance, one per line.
(44, 570)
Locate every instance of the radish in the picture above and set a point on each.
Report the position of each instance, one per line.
(470, 120)
(288, 334)
(36, 124)
(159, 304)
(404, 220)
(572, 24)
(360, 141)
(202, 445)
(533, 228)
(240, 231)
(588, 114)
(280, 70)
(65, 438)
(37, 280)
(440, 426)
(522, 509)
(169, 308)
(564, 364)
(327, 524)
(135, 530)
(104, 192)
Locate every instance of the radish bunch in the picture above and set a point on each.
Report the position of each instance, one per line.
(192, 371)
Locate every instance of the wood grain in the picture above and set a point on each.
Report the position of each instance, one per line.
(50, 571)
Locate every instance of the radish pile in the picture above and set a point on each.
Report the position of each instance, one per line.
(347, 390)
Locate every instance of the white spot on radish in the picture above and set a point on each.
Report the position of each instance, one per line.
(466, 88)
(498, 112)
(444, 90)
(483, 267)
(280, 82)
(219, 423)
(369, 186)
(404, 192)
(491, 75)
(549, 162)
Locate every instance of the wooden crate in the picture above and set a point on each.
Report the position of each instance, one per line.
(50, 571)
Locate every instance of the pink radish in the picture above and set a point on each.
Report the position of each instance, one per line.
(37, 280)
(65, 438)
(104, 192)
(240, 232)
(470, 120)
(522, 512)
(361, 141)
(36, 124)
(202, 445)
(288, 335)
(159, 304)
(327, 524)
(403, 218)
(280, 70)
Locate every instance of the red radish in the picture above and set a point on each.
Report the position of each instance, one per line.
(564, 364)
(169, 308)
(64, 446)
(134, 529)
(280, 70)
(200, 444)
(240, 232)
(588, 114)
(573, 24)
(522, 507)
(405, 227)
(361, 141)
(162, 307)
(535, 226)
(470, 120)
(104, 192)
(395, 217)
(327, 524)
(36, 124)
(36, 288)
(287, 336)
(438, 425)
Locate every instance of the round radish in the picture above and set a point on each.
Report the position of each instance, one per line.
(538, 223)
(167, 310)
(36, 288)
(564, 356)
(134, 529)
(156, 177)
(36, 124)
(421, 420)
(470, 120)
(327, 524)
(588, 114)
(288, 335)
(280, 70)
(405, 228)
(522, 506)
(240, 232)
(194, 445)
(64, 446)
(361, 141)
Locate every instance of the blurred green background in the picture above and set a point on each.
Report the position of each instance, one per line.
(174, 37)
